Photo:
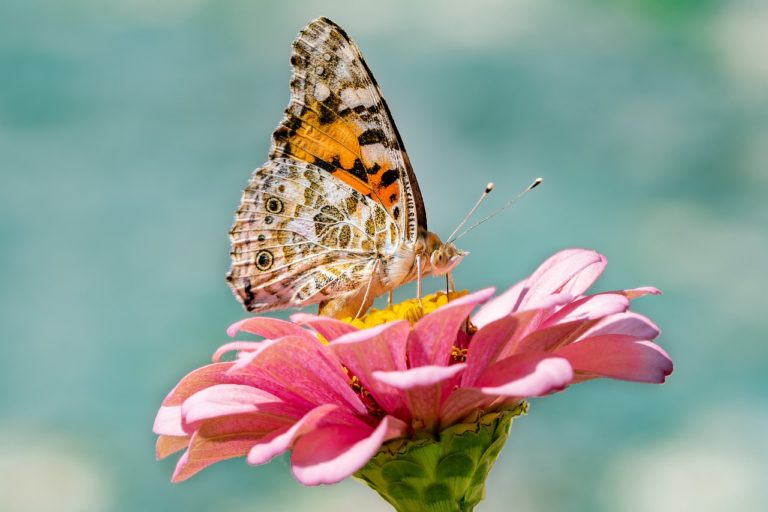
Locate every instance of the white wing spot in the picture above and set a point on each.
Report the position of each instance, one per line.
(374, 153)
(355, 97)
(322, 91)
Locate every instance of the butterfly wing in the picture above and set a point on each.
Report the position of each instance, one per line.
(337, 119)
(339, 175)
(301, 237)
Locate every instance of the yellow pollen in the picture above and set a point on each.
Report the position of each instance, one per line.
(410, 310)
(458, 354)
(374, 409)
(356, 385)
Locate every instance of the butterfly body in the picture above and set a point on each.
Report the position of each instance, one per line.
(335, 216)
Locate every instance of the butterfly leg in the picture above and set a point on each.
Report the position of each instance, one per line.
(389, 299)
(418, 278)
(363, 305)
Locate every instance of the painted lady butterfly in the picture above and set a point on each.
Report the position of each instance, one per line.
(335, 216)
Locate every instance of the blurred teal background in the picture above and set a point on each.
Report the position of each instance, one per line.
(128, 128)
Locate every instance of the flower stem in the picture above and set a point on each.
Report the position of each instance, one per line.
(444, 472)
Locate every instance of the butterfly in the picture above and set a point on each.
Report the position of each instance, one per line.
(335, 216)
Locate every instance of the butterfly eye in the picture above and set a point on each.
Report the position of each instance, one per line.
(274, 205)
(436, 258)
(264, 260)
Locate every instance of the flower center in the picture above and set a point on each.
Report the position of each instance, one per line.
(458, 354)
(374, 409)
(412, 310)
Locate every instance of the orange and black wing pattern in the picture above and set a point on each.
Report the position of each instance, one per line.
(338, 121)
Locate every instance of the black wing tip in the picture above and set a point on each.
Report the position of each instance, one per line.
(324, 21)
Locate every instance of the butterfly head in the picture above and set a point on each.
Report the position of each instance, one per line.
(443, 257)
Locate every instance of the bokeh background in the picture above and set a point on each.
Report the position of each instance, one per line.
(128, 128)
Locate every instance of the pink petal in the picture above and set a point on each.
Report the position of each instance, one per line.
(245, 424)
(425, 387)
(207, 453)
(506, 304)
(238, 346)
(168, 445)
(331, 454)
(300, 370)
(619, 357)
(526, 375)
(224, 438)
(245, 358)
(233, 399)
(328, 328)
(571, 271)
(266, 327)
(490, 346)
(433, 336)
(381, 348)
(419, 377)
(204, 451)
(629, 323)
(552, 337)
(499, 306)
(490, 341)
(461, 403)
(639, 292)
(276, 443)
(168, 421)
(196, 380)
(590, 308)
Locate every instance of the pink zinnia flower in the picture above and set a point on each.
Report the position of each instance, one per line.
(333, 393)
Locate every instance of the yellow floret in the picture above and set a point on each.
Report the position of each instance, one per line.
(412, 310)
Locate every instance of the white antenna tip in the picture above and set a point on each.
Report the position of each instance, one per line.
(488, 188)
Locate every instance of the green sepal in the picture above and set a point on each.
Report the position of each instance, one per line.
(445, 472)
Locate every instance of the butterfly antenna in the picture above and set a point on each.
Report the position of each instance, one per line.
(512, 201)
(487, 191)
